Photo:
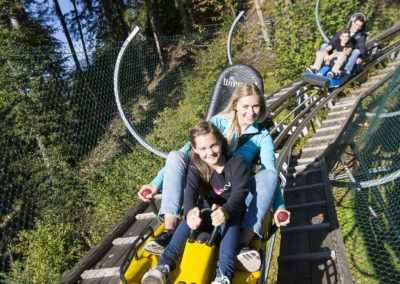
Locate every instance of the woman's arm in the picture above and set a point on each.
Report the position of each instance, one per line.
(267, 155)
(278, 200)
(237, 176)
(191, 194)
(361, 44)
(267, 152)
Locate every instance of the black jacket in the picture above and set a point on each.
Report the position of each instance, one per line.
(358, 40)
(231, 186)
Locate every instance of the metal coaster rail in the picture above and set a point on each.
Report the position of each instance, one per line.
(305, 120)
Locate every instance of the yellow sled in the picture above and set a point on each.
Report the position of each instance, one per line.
(198, 262)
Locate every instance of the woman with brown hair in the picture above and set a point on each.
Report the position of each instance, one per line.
(217, 181)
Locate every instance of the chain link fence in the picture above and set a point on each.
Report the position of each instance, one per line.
(59, 123)
(368, 209)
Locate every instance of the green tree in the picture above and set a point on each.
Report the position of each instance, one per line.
(295, 35)
(35, 171)
(52, 246)
(60, 16)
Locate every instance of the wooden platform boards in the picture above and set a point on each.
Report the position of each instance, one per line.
(106, 268)
(311, 246)
(312, 249)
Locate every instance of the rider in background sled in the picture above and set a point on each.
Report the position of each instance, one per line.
(357, 26)
(335, 54)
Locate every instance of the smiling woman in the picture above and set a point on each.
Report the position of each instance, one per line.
(248, 111)
(245, 108)
(210, 170)
(208, 149)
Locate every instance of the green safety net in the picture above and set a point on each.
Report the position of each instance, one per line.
(63, 145)
(368, 201)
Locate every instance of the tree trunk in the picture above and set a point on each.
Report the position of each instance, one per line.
(264, 30)
(233, 12)
(80, 32)
(43, 151)
(182, 13)
(154, 25)
(14, 22)
(66, 32)
(107, 14)
(121, 10)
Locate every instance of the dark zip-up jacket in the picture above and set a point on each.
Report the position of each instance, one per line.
(227, 189)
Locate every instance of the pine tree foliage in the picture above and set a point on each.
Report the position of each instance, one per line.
(34, 155)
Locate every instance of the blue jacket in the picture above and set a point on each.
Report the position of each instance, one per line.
(260, 143)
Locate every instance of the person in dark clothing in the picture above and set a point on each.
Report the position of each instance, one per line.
(358, 35)
(215, 180)
(337, 51)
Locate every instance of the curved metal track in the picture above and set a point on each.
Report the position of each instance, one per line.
(317, 20)
(137, 136)
(307, 105)
(228, 47)
(319, 254)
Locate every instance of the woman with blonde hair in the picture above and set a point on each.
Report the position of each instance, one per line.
(241, 118)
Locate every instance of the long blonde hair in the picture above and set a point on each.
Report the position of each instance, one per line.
(241, 91)
(200, 129)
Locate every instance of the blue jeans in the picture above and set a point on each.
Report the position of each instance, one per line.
(262, 191)
(229, 232)
(351, 60)
(174, 182)
(323, 46)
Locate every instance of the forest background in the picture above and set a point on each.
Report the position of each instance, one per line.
(69, 169)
